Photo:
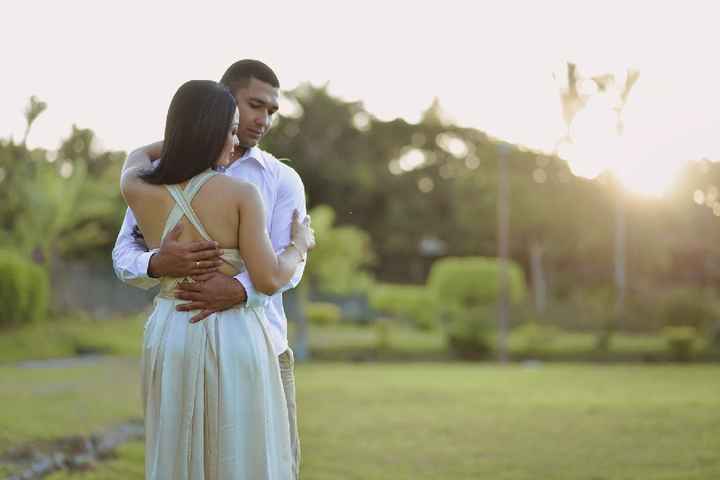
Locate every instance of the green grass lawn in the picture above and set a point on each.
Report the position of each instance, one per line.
(72, 335)
(430, 420)
(49, 402)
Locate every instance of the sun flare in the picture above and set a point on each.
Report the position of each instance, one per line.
(630, 154)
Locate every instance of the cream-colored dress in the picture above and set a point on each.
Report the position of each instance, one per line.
(213, 397)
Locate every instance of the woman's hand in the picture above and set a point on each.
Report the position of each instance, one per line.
(301, 234)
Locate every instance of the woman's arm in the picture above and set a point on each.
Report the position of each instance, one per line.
(268, 271)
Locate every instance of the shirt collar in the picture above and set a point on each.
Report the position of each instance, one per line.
(253, 153)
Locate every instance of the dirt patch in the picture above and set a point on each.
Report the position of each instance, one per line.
(90, 359)
(38, 459)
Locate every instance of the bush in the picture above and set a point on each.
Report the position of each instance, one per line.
(714, 335)
(681, 341)
(531, 338)
(468, 331)
(323, 313)
(413, 303)
(689, 308)
(473, 281)
(24, 290)
(382, 334)
(467, 291)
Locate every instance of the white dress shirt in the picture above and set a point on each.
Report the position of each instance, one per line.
(282, 191)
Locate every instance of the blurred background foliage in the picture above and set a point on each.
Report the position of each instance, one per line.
(406, 217)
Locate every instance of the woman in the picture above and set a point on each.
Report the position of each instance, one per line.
(213, 399)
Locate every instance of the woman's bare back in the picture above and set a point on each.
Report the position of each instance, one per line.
(216, 205)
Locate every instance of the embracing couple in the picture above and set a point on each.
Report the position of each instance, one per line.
(221, 226)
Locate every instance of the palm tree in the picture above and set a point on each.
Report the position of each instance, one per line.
(32, 112)
(573, 102)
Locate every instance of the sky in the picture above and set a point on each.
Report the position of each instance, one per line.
(494, 65)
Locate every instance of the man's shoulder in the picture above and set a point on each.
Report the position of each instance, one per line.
(281, 167)
(267, 158)
(272, 161)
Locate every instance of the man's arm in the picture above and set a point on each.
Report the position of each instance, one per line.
(152, 151)
(131, 256)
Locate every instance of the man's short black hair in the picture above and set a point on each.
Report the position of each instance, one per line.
(238, 75)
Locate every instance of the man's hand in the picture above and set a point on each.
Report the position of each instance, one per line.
(184, 259)
(210, 293)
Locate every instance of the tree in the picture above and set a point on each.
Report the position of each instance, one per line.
(337, 265)
(65, 202)
(32, 112)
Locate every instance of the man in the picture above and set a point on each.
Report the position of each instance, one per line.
(256, 89)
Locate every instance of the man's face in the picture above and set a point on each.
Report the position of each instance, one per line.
(257, 103)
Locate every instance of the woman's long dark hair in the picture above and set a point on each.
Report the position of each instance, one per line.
(198, 121)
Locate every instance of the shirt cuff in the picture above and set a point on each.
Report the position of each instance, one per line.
(141, 278)
(254, 298)
(143, 262)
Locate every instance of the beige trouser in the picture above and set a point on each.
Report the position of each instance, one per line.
(287, 373)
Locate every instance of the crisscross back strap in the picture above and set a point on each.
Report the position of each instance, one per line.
(183, 199)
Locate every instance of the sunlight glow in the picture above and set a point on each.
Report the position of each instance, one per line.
(426, 184)
(632, 156)
(66, 169)
(452, 144)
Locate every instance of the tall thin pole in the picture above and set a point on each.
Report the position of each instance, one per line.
(503, 247)
(620, 277)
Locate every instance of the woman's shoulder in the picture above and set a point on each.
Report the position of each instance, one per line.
(133, 186)
(236, 187)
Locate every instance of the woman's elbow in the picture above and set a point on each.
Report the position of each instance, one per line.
(268, 286)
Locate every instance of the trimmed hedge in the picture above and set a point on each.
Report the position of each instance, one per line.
(681, 342)
(467, 291)
(689, 308)
(474, 281)
(414, 303)
(323, 313)
(24, 290)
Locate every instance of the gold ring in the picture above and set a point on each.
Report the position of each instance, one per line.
(197, 264)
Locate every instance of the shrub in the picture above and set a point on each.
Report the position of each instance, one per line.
(714, 335)
(689, 308)
(382, 334)
(412, 303)
(467, 291)
(473, 281)
(323, 313)
(39, 293)
(531, 338)
(24, 290)
(681, 341)
(468, 331)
